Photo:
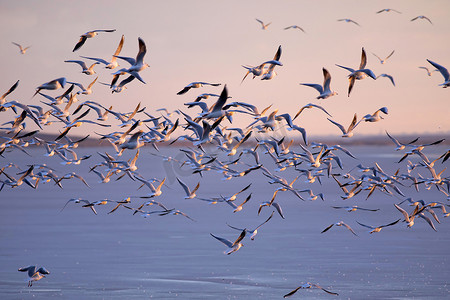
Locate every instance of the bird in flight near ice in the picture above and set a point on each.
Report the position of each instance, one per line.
(89, 34)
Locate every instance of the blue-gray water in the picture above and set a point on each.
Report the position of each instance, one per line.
(121, 256)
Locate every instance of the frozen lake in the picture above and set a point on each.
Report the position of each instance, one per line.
(125, 256)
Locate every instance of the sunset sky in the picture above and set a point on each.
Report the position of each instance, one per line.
(210, 41)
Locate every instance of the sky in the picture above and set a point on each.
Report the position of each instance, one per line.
(209, 41)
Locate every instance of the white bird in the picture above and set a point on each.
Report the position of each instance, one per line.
(137, 64)
(310, 105)
(388, 10)
(253, 232)
(189, 194)
(309, 286)
(34, 274)
(295, 27)
(444, 73)
(21, 49)
(428, 71)
(263, 26)
(196, 84)
(423, 18)
(113, 63)
(383, 61)
(339, 224)
(409, 218)
(324, 91)
(354, 208)
(387, 76)
(375, 117)
(269, 73)
(51, 85)
(349, 131)
(233, 247)
(359, 74)
(84, 91)
(89, 34)
(349, 21)
(86, 70)
(377, 228)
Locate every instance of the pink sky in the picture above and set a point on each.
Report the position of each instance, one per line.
(209, 41)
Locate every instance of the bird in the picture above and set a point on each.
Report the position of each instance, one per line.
(340, 223)
(137, 64)
(195, 84)
(34, 274)
(189, 194)
(324, 91)
(428, 71)
(269, 73)
(79, 200)
(233, 247)
(309, 105)
(89, 34)
(387, 76)
(377, 228)
(444, 73)
(359, 74)
(263, 26)
(86, 70)
(354, 208)
(348, 21)
(113, 63)
(409, 218)
(309, 286)
(349, 131)
(51, 85)
(253, 232)
(375, 117)
(423, 18)
(383, 61)
(294, 27)
(21, 49)
(388, 10)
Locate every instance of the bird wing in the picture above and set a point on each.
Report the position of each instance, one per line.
(441, 69)
(338, 125)
(142, 51)
(318, 87)
(390, 224)
(225, 241)
(240, 237)
(363, 63)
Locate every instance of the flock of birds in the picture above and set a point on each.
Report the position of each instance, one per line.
(215, 145)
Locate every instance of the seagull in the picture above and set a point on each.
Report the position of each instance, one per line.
(89, 34)
(353, 208)
(349, 21)
(51, 85)
(11, 89)
(409, 218)
(309, 286)
(378, 228)
(444, 73)
(359, 74)
(400, 146)
(21, 49)
(312, 197)
(233, 247)
(137, 64)
(421, 17)
(189, 194)
(375, 117)
(428, 71)
(253, 232)
(388, 10)
(387, 76)
(383, 61)
(294, 27)
(196, 84)
(340, 223)
(310, 105)
(34, 274)
(263, 26)
(349, 131)
(79, 200)
(84, 91)
(113, 63)
(86, 70)
(270, 73)
(324, 91)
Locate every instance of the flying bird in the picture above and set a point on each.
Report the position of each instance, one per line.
(295, 27)
(309, 286)
(324, 91)
(34, 274)
(387, 76)
(349, 131)
(263, 26)
(89, 34)
(113, 63)
(196, 84)
(21, 49)
(348, 21)
(444, 73)
(383, 60)
(423, 18)
(388, 10)
(377, 228)
(233, 247)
